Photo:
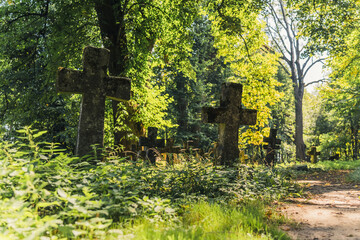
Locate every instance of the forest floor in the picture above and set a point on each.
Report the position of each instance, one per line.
(329, 210)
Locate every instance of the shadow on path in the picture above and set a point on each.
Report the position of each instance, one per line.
(331, 209)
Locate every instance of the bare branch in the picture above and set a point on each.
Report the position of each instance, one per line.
(288, 62)
(312, 64)
(285, 69)
(277, 44)
(313, 82)
(287, 29)
(306, 62)
(277, 31)
(275, 15)
(25, 15)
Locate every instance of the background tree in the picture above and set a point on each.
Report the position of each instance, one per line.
(191, 94)
(140, 35)
(33, 43)
(333, 26)
(283, 116)
(342, 92)
(284, 31)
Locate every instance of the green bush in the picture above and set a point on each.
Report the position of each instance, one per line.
(46, 193)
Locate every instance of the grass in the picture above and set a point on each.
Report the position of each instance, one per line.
(336, 165)
(354, 176)
(353, 166)
(212, 221)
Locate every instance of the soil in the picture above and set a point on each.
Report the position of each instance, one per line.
(329, 210)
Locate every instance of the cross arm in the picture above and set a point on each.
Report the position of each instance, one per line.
(69, 81)
(212, 115)
(221, 115)
(268, 140)
(118, 88)
(271, 147)
(248, 117)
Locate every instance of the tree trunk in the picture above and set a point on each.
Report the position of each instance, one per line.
(354, 126)
(113, 32)
(299, 124)
(181, 105)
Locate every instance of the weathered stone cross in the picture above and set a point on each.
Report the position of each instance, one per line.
(230, 115)
(273, 144)
(95, 85)
(313, 154)
(151, 142)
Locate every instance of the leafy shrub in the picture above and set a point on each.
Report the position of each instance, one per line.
(45, 193)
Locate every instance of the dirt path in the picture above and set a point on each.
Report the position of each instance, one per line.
(330, 211)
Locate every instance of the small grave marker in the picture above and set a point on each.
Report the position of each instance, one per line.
(230, 115)
(170, 151)
(150, 143)
(313, 154)
(190, 146)
(95, 85)
(336, 156)
(272, 145)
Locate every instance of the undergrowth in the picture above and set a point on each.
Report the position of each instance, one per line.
(46, 194)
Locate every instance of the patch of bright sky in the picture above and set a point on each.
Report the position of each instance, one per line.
(316, 73)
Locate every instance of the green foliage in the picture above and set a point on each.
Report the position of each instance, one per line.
(245, 49)
(191, 94)
(327, 23)
(46, 193)
(203, 220)
(283, 115)
(337, 165)
(36, 38)
(340, 112)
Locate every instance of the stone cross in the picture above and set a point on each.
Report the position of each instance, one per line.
(150, 143)
(313, 154)
(95, 85)
(230, 115)
(273, 144)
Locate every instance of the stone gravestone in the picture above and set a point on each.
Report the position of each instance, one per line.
(230, 115)
(272, 145)
(170, 151)
(313, 154)
(190, 146)
(150, 143)
(95, 85)
(336, 156)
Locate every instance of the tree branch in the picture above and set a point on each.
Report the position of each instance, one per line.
(311, 65)
(285, 69)
(313, 82)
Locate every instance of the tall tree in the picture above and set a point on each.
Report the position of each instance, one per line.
(191, 94)
(140, 34)
(133, 31)
(241, 41)
(285, 33)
